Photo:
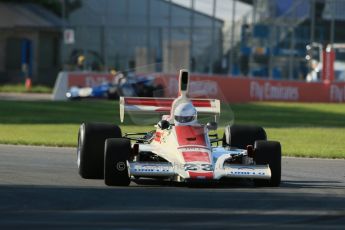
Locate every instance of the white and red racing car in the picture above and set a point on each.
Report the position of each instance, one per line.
(180, 149)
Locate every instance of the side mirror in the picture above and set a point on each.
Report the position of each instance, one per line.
(212, 125)
(163, 124)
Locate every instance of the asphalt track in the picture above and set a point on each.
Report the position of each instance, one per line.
(40, 189)
(25, 96)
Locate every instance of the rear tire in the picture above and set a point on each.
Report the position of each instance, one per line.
(90, 151)
(116, 155)
(240, 136)
(112, 94)
(268, 152)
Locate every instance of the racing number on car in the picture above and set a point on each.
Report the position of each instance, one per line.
(206, 167)
(190, 167)
(195, 167)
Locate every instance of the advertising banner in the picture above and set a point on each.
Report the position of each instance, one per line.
(240, 89)
(328, 65)
(226, 88)
(90, 79)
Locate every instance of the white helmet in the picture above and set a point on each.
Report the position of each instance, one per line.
(185, 113)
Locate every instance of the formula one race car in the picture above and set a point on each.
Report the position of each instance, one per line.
(130, 85)
(180, 149)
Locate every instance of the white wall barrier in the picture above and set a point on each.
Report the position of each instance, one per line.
(60, 87)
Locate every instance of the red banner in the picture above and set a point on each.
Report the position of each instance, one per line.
(234, 89)
(88, 79)
(240, 89)
(328, 65)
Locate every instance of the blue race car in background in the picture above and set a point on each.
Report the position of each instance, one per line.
(141, 86)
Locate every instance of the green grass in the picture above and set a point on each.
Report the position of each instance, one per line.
(46, 134)
(20, 88)
(311, 130)
(310, 142)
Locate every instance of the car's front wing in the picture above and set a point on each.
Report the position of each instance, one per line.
(148, 169)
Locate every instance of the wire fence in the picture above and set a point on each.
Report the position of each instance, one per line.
(266, 39)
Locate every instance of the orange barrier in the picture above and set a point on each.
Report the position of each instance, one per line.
(240, 89)
(28, 84)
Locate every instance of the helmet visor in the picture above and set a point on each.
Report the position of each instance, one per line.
(185, 119)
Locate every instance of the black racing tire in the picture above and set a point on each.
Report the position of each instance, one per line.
(240, 136)
(90, 151)
(112, 95)
(158, 91)
(268, 152)
(116, 155)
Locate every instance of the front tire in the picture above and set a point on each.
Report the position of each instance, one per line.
(116, 155)
(90, 149)
(240, 136)
(268, 152)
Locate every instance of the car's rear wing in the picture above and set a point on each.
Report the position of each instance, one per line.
(147, 105)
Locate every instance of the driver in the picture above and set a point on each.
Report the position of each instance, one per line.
(185, 114)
